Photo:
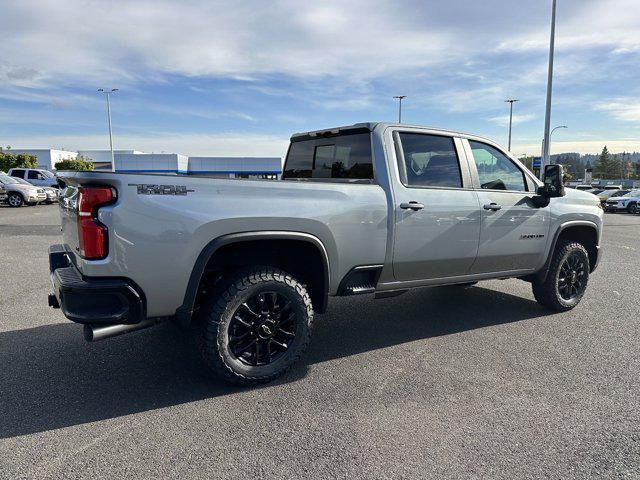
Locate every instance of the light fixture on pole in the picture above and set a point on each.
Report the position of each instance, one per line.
(547, 117)
(400, 97)
(107, 93)
(511, 101)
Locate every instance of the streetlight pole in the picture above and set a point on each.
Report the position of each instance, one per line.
(547, 118)
(511, 101)
(107, 93)
(400, 97)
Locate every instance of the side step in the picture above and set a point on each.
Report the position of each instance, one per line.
(360, 280)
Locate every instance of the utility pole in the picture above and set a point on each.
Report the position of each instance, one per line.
(547, 118)
(400, 97)
(511, 102)
(107, 93)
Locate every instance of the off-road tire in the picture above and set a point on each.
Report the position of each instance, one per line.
(631, 208)
(216, 314)
(547, 293)
(15, 200)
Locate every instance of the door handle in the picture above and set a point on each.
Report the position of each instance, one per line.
(492, 206)
(415, 206)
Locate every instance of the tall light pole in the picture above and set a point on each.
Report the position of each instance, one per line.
(107, 93)
(547, 117)
(511, 101)
(400, 97)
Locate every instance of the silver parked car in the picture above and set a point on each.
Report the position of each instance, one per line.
(20, 192)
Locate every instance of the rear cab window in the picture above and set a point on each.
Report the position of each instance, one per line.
(341, 157)
(17, 172)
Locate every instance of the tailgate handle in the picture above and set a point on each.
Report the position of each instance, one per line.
(415, 206)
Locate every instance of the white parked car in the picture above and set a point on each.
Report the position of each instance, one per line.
(35, 176)
(18, 193)
(625, 203)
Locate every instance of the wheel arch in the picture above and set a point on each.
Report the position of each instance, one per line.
(320, 288)
(582, 231)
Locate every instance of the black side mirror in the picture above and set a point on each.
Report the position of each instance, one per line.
(553, 182)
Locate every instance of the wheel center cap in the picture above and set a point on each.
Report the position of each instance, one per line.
(266, 331)
(574, 276)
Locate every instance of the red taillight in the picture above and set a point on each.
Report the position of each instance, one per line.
(92, 235)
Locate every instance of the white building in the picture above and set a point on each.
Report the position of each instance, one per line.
(102, 158)
(47, 157)
(234, 167)
(151, 162)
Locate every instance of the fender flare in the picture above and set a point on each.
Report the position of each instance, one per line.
(185, 311)
(542, 273)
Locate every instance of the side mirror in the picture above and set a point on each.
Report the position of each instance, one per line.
(553, 183)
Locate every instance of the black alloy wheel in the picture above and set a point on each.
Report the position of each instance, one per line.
(572, 278)
(262, 329)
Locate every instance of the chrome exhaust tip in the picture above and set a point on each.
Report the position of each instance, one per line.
(94, 334)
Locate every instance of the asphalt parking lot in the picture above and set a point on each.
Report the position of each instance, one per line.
(428, 384)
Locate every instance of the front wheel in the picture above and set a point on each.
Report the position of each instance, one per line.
(257, 326)
(566, 279)
(15, 200)
(632, 207)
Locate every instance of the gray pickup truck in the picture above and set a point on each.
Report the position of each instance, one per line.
(372, 208)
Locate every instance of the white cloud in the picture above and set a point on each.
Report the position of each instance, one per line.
(503, 120)
(627, 109)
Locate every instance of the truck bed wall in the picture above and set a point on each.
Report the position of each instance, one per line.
(155, 239)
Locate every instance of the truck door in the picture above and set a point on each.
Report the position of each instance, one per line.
(514, 231)
(437, 214)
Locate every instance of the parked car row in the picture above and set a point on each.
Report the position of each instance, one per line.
(626, 202)
(17, 192)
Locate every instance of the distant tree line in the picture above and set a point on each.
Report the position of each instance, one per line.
(80, 163)
(625, 165)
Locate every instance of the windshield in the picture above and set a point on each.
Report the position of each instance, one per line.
(633, 193)
(596, 192)
(7, 180)
(620, 193)
(47, 173)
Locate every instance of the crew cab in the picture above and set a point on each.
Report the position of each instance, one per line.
(372, 208)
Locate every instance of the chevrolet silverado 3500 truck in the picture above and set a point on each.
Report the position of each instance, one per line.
(371, 208)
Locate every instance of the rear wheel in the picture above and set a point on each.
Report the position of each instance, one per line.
(257, 326)
(15, 200)
(566, 279)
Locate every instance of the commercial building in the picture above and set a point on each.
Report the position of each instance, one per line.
(47, 157)
(137, 161)
(151, 162)
(102, 158)
(236, 167)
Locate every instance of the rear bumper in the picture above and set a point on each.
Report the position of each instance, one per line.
(94, 301)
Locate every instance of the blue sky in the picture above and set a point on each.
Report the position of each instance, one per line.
(237, 78)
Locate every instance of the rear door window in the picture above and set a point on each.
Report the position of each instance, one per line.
(343, 157)
(17, 172)
(429, 161)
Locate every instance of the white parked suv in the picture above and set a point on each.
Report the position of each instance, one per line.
(35, 176)
(625, 203)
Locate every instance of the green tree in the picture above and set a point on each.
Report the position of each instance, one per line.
(606, 166)
(17, 160)
(80, 163)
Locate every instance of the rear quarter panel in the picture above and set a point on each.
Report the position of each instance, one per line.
(155, 239)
